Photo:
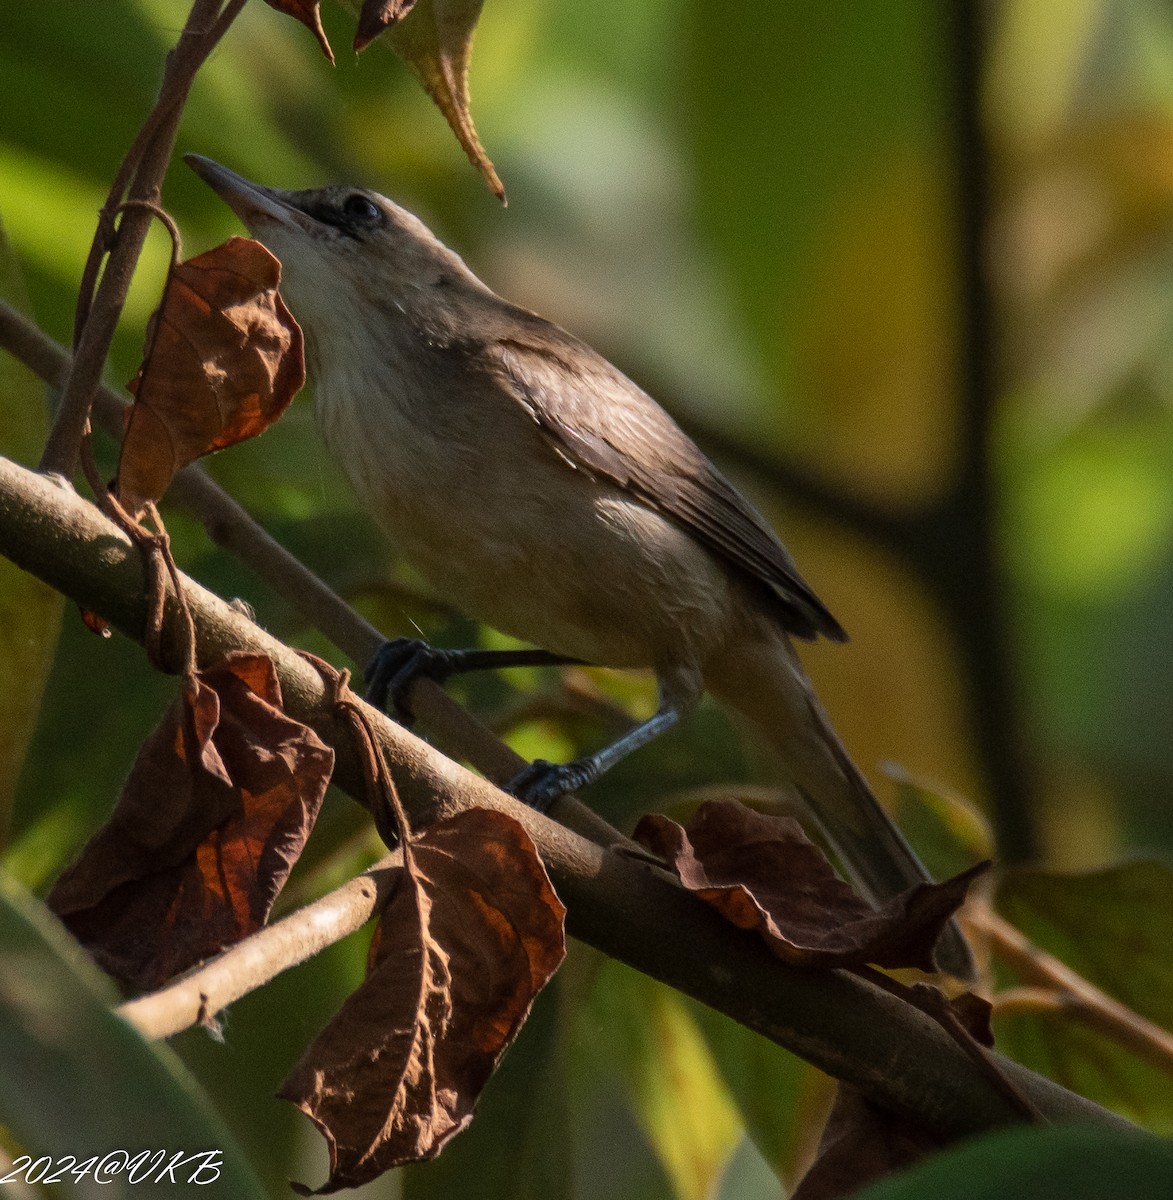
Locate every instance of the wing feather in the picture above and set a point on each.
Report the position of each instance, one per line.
(633, 443)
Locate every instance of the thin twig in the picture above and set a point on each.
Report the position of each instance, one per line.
(570, 701)
(196, 997)
(141, 177)
(1076, 996)
(168, 222)
(168, 104)
(1030, 1000)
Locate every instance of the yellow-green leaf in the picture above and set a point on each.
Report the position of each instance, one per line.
(1114, 927)
(307, 12)
(675, 1087)
(30, 612)
(434, 38)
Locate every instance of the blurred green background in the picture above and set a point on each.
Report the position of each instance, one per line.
(912, 292)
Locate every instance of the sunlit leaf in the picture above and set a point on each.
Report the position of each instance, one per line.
(224, 359)
(434, 38)
(209, 824)
(473, 933)
(30, 611)
(644, 1033)
(781, 1100)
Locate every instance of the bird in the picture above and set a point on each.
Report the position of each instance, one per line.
(543, 493)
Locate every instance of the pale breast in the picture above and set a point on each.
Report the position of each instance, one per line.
(474, 498)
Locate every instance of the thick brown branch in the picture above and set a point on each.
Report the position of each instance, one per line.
(892, 1053)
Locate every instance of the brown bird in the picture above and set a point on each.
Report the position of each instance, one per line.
(542, 492)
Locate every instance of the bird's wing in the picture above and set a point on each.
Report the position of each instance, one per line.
(599, 421)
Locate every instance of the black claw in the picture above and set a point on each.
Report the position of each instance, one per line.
(542, 782)
(395, 666)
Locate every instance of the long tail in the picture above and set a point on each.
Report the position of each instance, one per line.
(766, 683)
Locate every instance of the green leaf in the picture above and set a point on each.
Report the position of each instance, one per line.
(434, 38)
(781, 1100)
(647, 1034)
(77, 1080)
(1045, 1164)
(1115, 927)
(30, 611)
(836, 240)
(948, 833)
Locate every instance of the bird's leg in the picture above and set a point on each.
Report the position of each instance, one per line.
(542, 782)
(399, 662)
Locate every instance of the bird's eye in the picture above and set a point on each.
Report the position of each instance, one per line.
(359, 209)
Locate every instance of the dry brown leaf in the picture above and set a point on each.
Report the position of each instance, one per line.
(308, 12)
(434, 38)
(215, 812)
(376, 15)
(974, 1014)
(763, 873)
(461, 952)
(94, 623)
(861, 1144)
(224, 360)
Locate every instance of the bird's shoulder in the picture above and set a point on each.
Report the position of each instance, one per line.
(599, 421)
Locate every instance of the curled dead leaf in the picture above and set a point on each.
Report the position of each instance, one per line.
(308, 12)
(94, 623)
(473, 934)
(434, 38)
(861, 1143)
(213, 816)
(375, 16)
(975, 1015)
(224, 359)
(762, 872)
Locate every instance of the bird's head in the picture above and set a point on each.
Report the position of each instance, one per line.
(346, 253)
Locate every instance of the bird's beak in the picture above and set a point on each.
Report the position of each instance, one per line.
(254, 204)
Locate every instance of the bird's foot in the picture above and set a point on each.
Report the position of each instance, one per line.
(542, 782)
(396, 665)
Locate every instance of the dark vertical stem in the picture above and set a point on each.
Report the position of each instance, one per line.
(977, 587)
(140, 177)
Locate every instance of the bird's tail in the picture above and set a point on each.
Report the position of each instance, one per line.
(766, 683)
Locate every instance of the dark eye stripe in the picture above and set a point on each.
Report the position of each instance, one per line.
(361, 211)
(343, 217)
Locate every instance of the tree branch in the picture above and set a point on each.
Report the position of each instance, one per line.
(1069, 992)
(967, 533)
(197, 996)
(892, 1053)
